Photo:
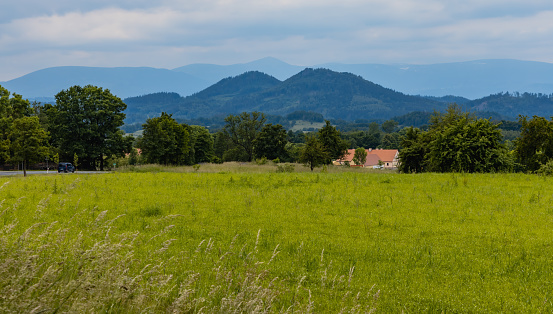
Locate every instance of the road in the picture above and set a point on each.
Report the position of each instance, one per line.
(33, 172)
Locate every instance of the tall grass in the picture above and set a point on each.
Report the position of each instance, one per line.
(276, 242)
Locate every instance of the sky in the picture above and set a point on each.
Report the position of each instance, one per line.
(36, 34)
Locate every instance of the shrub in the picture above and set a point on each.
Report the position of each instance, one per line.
(285, 168)
(261, 161)
(546, 169)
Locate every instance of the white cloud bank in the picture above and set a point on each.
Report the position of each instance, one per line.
(173, 33)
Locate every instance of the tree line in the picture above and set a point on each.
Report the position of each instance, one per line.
(457, 141)
(84, 126)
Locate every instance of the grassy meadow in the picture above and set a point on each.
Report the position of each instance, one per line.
(249, 239)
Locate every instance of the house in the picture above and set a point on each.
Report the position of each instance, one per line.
(389, 158)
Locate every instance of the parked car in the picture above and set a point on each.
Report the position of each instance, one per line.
(66, 167)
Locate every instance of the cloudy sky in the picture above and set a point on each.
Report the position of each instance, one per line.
(36, 34)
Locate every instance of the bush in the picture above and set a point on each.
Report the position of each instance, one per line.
(261, 161)
(216, 160)
(285, 168)
(546, 169)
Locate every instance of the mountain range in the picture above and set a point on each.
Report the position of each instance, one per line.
(473, 79)
(334, 95)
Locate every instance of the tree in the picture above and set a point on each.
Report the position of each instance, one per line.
(455, 142)
(243, 130)
(165, 141)
(390, 141)
(389, 126)
(360, 156)
(313, 153)
(201, 144)
(12, 107)
(271, 142)
(534, 147)
(30, 141)
(85, 121)
(412, 154)
(333, 144)
(467, 145)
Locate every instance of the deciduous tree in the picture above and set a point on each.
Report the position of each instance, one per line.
(165, 141)
(333, 144)
(85, 121)
(534, 147)
(12, 107)
(313, 153)
(243, 130)
(30, 141)
(455, 142)
(271, 142)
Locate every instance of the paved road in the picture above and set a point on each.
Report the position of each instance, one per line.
(32, 172)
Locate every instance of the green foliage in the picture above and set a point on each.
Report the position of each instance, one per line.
(313, 153)
(546, 169)
(391, 141)
(389, 126)
(56, 159)
(30, 141)
(455, 142)
(85, 121)
(165, 141)
(12, 108)
(201, 144)
(534, 147)
(360, 156)
(334, 146)
(243, 129)
(412, 156)
(261, 161)
(271, 142)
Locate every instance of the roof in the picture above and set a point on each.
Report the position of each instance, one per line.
(373, 156)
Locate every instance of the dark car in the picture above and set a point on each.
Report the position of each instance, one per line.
(65, 167)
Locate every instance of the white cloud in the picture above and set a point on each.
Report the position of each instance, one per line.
(171, 33)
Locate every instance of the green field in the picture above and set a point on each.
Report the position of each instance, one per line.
(239, 241)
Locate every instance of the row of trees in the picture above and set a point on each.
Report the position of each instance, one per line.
(459, 142)
(245, 137)
(22, 137)
(83, 125)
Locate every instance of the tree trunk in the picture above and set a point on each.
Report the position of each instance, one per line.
(24, 168)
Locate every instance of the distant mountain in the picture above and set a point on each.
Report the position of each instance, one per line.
(472, 80)
(213, 73)
(332, 94)
(123, 82)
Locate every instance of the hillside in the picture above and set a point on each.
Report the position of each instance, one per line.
(334, 95)
(209, 102)
(514, 104)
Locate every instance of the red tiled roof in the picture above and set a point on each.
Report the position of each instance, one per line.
(373, 156)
